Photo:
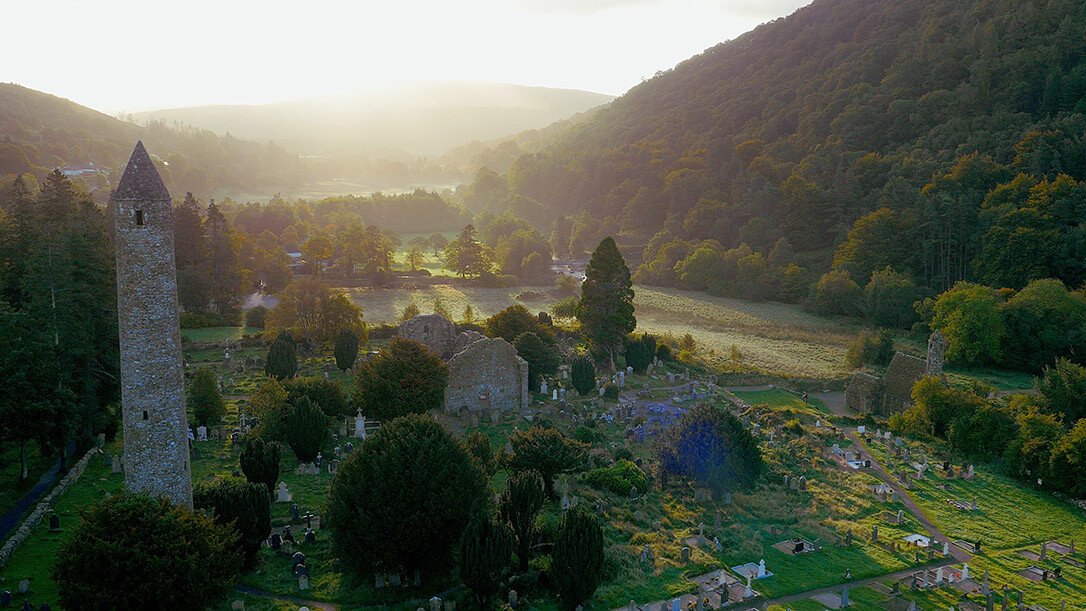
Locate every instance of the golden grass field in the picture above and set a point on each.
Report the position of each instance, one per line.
(771, 337)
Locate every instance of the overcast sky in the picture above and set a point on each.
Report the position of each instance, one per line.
(132, 55)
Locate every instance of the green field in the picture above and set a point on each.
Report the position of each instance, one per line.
(218, 334)
(772, 337)
(783, 399)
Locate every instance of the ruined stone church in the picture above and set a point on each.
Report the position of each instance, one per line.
(892, 392)
(485, 373)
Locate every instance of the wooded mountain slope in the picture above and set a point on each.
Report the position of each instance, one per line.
(804, 125)
(39, 132)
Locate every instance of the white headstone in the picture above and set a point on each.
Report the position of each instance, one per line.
(201, 433)
(360, 426)
(965, 571)
(554, 394)
(282, 495)
(761, 568)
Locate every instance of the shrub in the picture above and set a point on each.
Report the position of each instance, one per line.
(584, 434)
(542, 357)
(254, 317)
(306, 429)
(282, 361)
(663, 352)
(547, 451)
(269, 404)
(478, 447)
(240, 505)
(346, 350)
(618, 478)
(161, 551)
(610, 392)
(404, 378)
(520, 504)
(577, 561)
(565, 308)
(260, 462)
(328, 394)
(401, 501)
(485, 552)
(870, 348)
(711, 446)
(583, 374)
(640, 352)
(204, 399)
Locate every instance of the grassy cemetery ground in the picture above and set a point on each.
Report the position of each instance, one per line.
(1010, 519)
(218, 334)
(837, 499)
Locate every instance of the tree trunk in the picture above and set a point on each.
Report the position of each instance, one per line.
(24, 470)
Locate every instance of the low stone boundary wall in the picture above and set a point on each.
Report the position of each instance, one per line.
(43, 507)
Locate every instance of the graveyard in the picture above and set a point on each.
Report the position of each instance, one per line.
(818, 517)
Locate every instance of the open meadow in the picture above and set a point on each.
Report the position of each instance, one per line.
(771, 337)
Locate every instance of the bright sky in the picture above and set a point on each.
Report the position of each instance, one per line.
(133, 55)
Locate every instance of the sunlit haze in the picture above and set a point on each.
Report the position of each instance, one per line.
(124, 56)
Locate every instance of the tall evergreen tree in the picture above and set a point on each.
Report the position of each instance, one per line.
(223, 267)
(282, 361)
(204, 399)
(519, 505)
(307, 429)
(260, 462)
(583, 374)
(577, 561)
(606, 308)
(346, 350)
(485, 551)
(191, 258)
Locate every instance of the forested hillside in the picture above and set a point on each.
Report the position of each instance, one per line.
(40, 132)
(897, 120)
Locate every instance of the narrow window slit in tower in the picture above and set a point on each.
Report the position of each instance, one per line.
(144, 414)
(139, 217)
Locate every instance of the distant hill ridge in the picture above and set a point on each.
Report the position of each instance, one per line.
(416, 119)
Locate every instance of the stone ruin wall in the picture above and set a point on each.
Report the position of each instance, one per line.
(431, 330)
(488, 375)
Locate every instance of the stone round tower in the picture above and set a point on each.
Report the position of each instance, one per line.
(156, 450)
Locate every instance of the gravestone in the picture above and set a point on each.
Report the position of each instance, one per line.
(115, 464)
(24, 586)
(282, 494)
(5, 599)
(201, 433)
(512, 598)
(54, 523)
(275, 541)
(685, 554)
(310, 536)
(303, 582)
(295, 514)
(435, 604)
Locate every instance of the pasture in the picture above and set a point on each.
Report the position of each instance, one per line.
(772, 338)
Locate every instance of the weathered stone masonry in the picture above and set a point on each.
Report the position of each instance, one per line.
(156, 454)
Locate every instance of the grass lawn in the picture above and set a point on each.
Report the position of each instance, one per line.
(773, 338)
(34, 559)
(1000, 378)
(782, 399)
(218, 334)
